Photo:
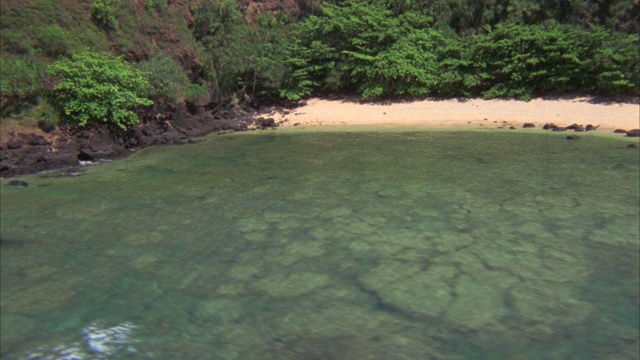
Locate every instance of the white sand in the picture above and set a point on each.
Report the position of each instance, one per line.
(473, 113)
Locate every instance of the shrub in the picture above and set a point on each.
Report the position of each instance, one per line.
(97, 87)
(167, 80)
(20, 84)
(54, 41)
(103, 13)
(195, 91)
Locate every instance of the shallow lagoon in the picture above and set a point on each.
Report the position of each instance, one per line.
(385, 244)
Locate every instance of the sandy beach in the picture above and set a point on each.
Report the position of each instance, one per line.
(463, 112)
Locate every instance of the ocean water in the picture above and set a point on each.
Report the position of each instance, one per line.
(331, 244)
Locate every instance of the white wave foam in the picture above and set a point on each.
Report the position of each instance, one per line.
(98, 342)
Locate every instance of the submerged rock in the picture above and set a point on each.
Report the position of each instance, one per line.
(18, 183)
(285, 285)
(408, 287)
(476, 304)
(550, 303)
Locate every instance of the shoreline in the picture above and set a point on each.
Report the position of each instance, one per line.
(452, 113)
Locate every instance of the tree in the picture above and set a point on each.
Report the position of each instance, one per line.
(368, 46)
(96, 87)
(244, 61)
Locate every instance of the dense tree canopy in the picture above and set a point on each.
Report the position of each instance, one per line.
(377, 48)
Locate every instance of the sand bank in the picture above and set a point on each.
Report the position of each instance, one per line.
(468, 113)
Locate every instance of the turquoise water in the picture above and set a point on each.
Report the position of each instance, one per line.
(389, 244)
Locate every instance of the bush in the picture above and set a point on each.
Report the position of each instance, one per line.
(196, 91)
(95, 87)
(53, 41)
(616, 63)
(20, 84)
(103, 13)
(521, 61)
(167, 80)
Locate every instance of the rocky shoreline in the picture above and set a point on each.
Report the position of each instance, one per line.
(29, 150)
(33, 150)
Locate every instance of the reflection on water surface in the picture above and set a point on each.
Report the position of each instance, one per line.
(337, 245)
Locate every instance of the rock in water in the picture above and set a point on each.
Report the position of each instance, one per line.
(633, 133)
(18, 183)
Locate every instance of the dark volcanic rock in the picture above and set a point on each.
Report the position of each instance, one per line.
(230, 124)
(528, 125)
(549, 126)
(18, 183)
(619, 131)
(590, 127)
(633, 133)
(15, 144)
(263, 123)
(66, 146)
(46, 127)
(557, 128)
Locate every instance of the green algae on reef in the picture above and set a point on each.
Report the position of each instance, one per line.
(341, 245)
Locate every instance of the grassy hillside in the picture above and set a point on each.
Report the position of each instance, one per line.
(34, 34)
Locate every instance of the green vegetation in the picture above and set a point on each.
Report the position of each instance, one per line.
(103, 13)
(376, 48)
(20, 84)
(96, 87)
(167, 80)
(243, 61)
(373, 48)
